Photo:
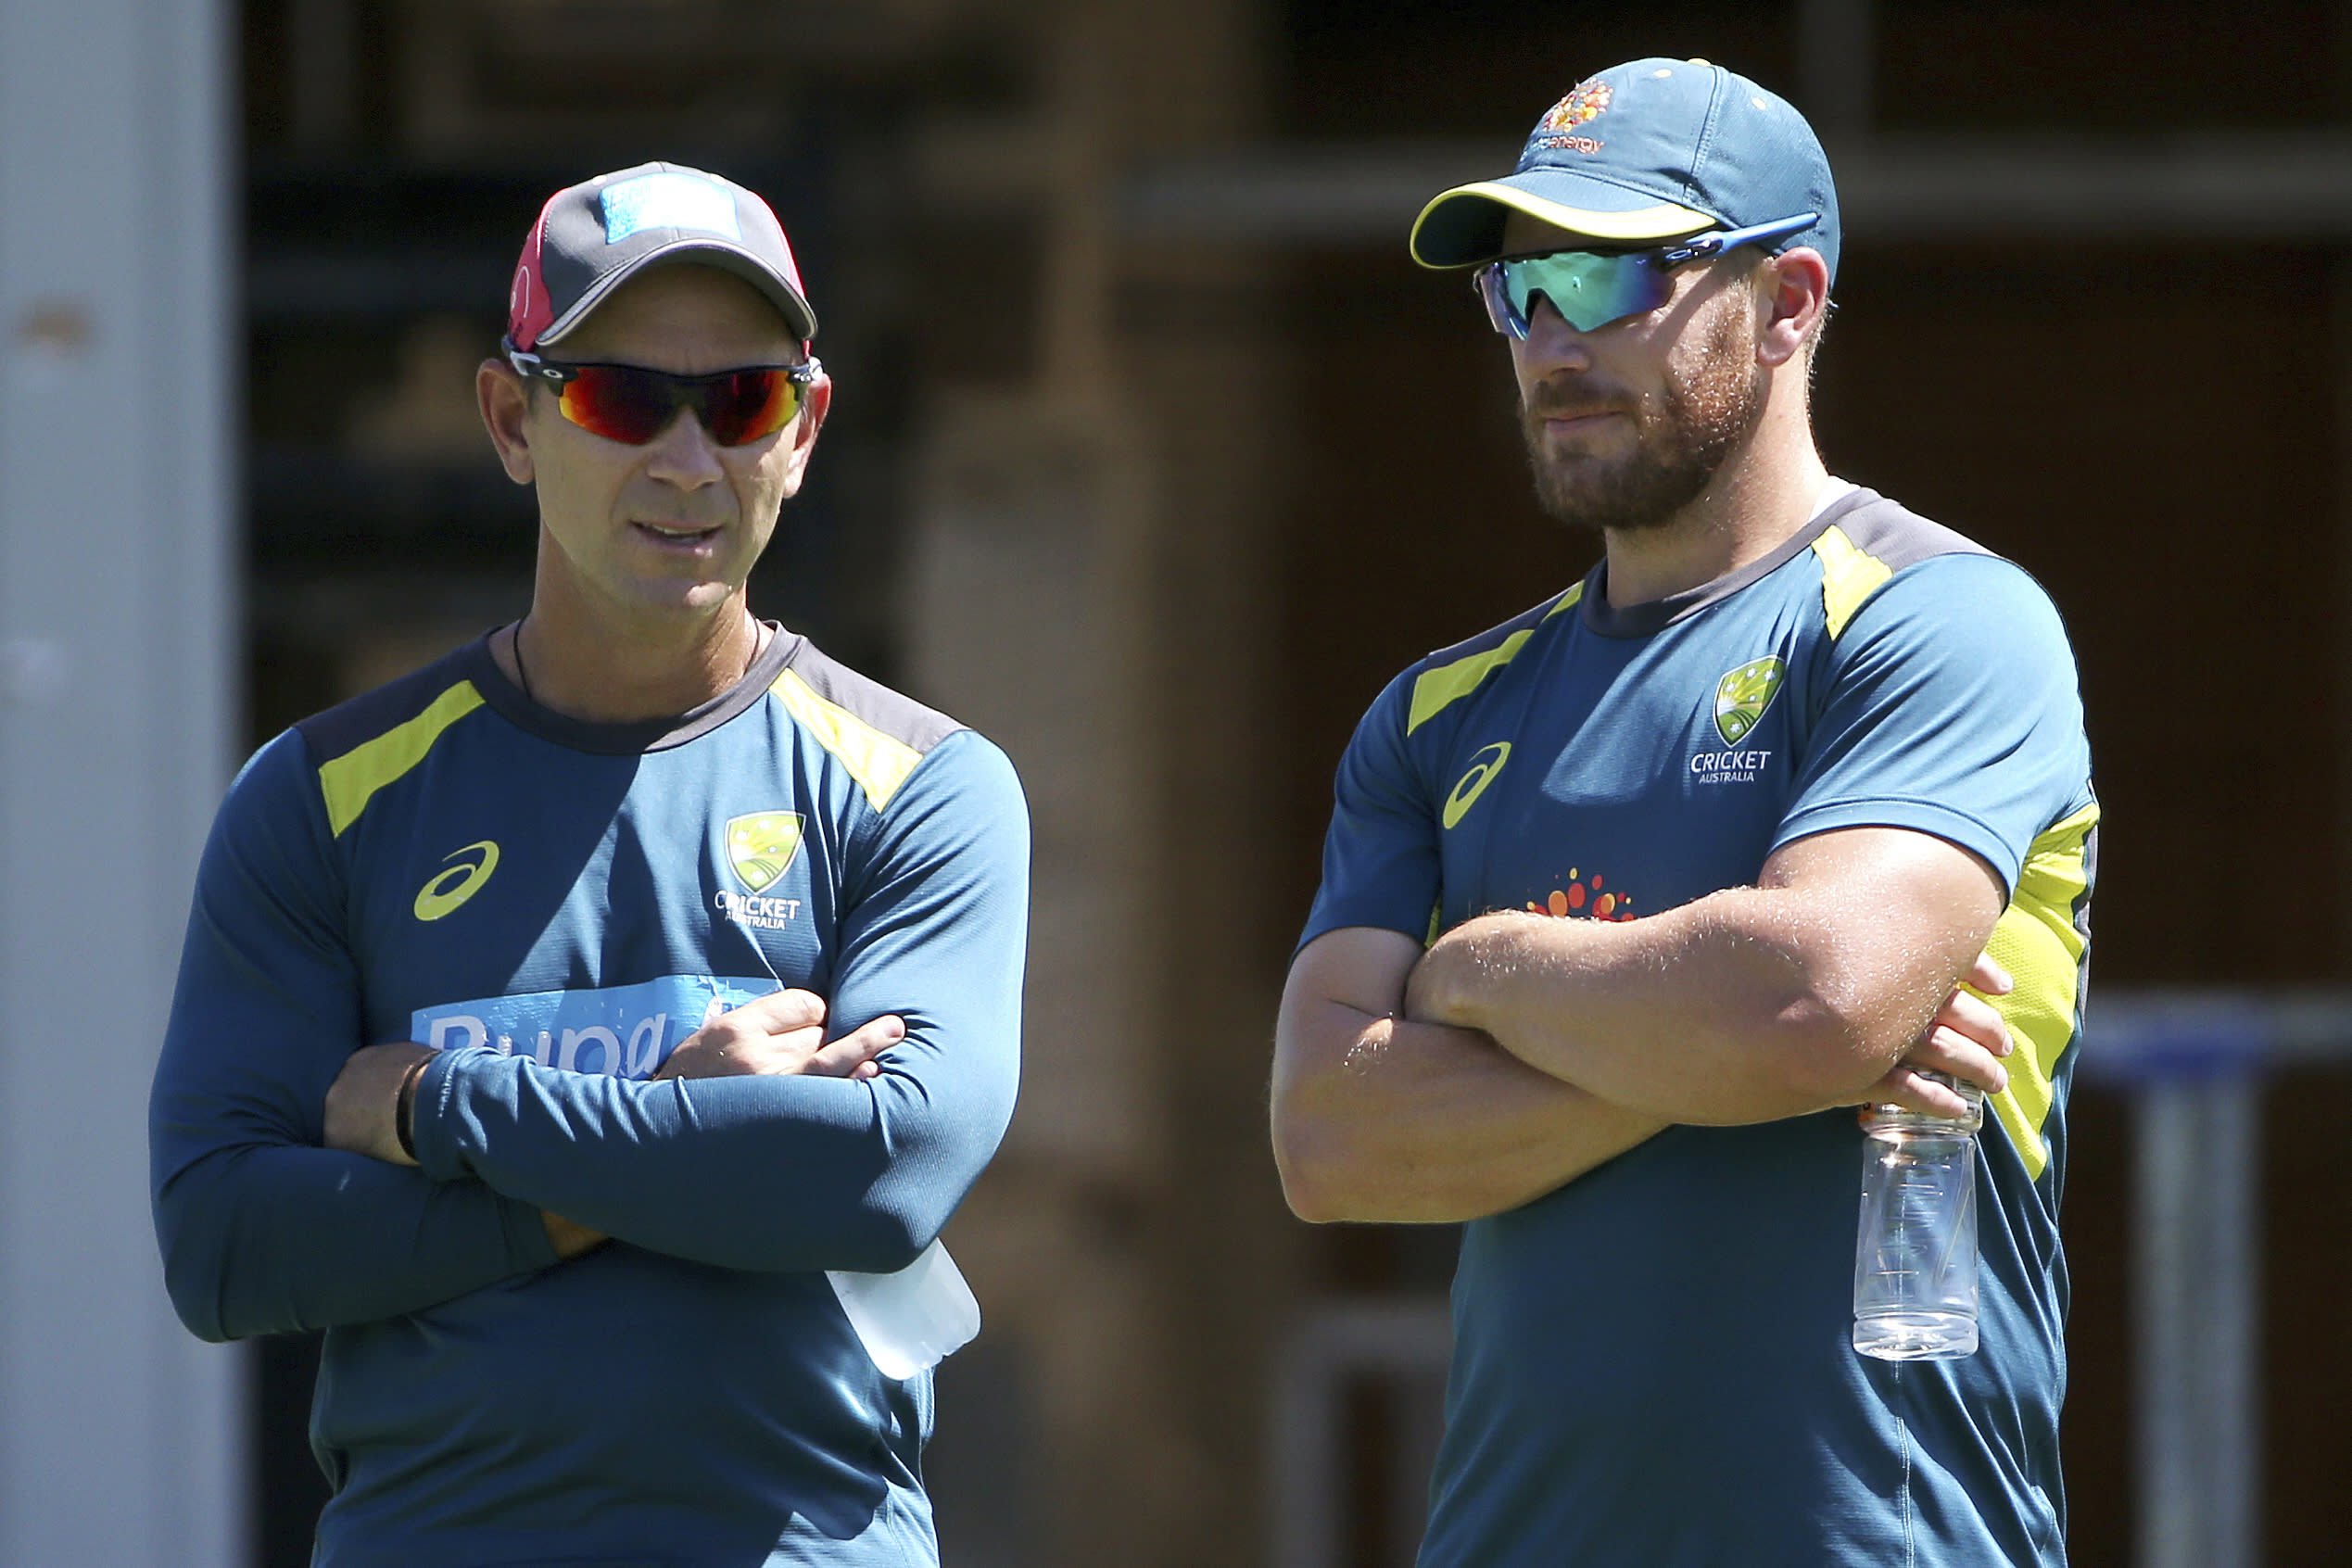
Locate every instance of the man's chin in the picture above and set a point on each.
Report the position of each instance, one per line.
(1596, 521)
(1601, 502)
(683, 597)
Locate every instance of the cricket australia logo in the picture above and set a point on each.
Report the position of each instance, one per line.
(760, 849)
(1742, 698)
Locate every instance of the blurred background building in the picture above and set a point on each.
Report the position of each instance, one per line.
(1154, 457)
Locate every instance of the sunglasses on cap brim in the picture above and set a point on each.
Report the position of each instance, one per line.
(632, 404)
(1592, 288)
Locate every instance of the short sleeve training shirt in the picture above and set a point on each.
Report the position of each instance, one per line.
(1652, 1364)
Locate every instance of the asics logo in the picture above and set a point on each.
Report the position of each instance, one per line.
(1483, 768)
(458, 882)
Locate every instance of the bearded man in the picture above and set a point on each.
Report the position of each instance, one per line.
(1802, 761)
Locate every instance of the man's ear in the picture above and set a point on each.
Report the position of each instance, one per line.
(1795, 289)
(505, 404)
(816, 400)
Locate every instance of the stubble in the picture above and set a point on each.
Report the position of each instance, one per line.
(1685, 431)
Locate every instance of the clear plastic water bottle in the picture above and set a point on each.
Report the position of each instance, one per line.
(908, 1320)
(1915, 1262)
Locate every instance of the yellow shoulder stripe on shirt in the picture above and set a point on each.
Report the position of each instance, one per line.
(1849, 575)
(878, 763)
(2037, 941)
(350, 780)
(1434, 691)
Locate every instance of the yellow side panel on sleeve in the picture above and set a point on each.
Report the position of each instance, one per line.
(350, 780)
(1434, 690)
(2037, 941)
(1849, 575)
(878, 763)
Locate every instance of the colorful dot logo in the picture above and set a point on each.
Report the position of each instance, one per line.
(1586, 897)
(1584, 102)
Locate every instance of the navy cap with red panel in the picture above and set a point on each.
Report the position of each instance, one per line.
(592, 238)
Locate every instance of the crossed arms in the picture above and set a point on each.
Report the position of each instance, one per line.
(371, 1107)
(1521, 1051)
(766, 1150)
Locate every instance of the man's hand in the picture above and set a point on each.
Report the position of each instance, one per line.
(783, 1033)
(363, 1103)
(1966, 1041)
(570, 1239)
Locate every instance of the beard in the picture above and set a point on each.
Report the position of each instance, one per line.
(1684, 433)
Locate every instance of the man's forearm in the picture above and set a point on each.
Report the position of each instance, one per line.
(1376, 1118)
(275, 1239)
(1741, 1006)
(758, 1173)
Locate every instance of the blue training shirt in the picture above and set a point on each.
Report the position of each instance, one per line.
(1652, 1365)
(557, 906)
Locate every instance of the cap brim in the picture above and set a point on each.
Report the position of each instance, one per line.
(798, 317)
(1464, 226)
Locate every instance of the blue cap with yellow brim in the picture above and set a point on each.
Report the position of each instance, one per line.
(1651, 150)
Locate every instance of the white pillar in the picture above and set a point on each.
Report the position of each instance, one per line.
(122, 1438)
(2197, 1313)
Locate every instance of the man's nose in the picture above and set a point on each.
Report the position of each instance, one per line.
(1552, 343)
(685, 455)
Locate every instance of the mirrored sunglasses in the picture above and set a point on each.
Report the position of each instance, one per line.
(632, 404)
(1592, 288)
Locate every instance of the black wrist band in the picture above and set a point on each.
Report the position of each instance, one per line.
(404, 1112)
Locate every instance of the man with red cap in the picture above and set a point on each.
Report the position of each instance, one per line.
(1787, 761)
(592, 1031)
